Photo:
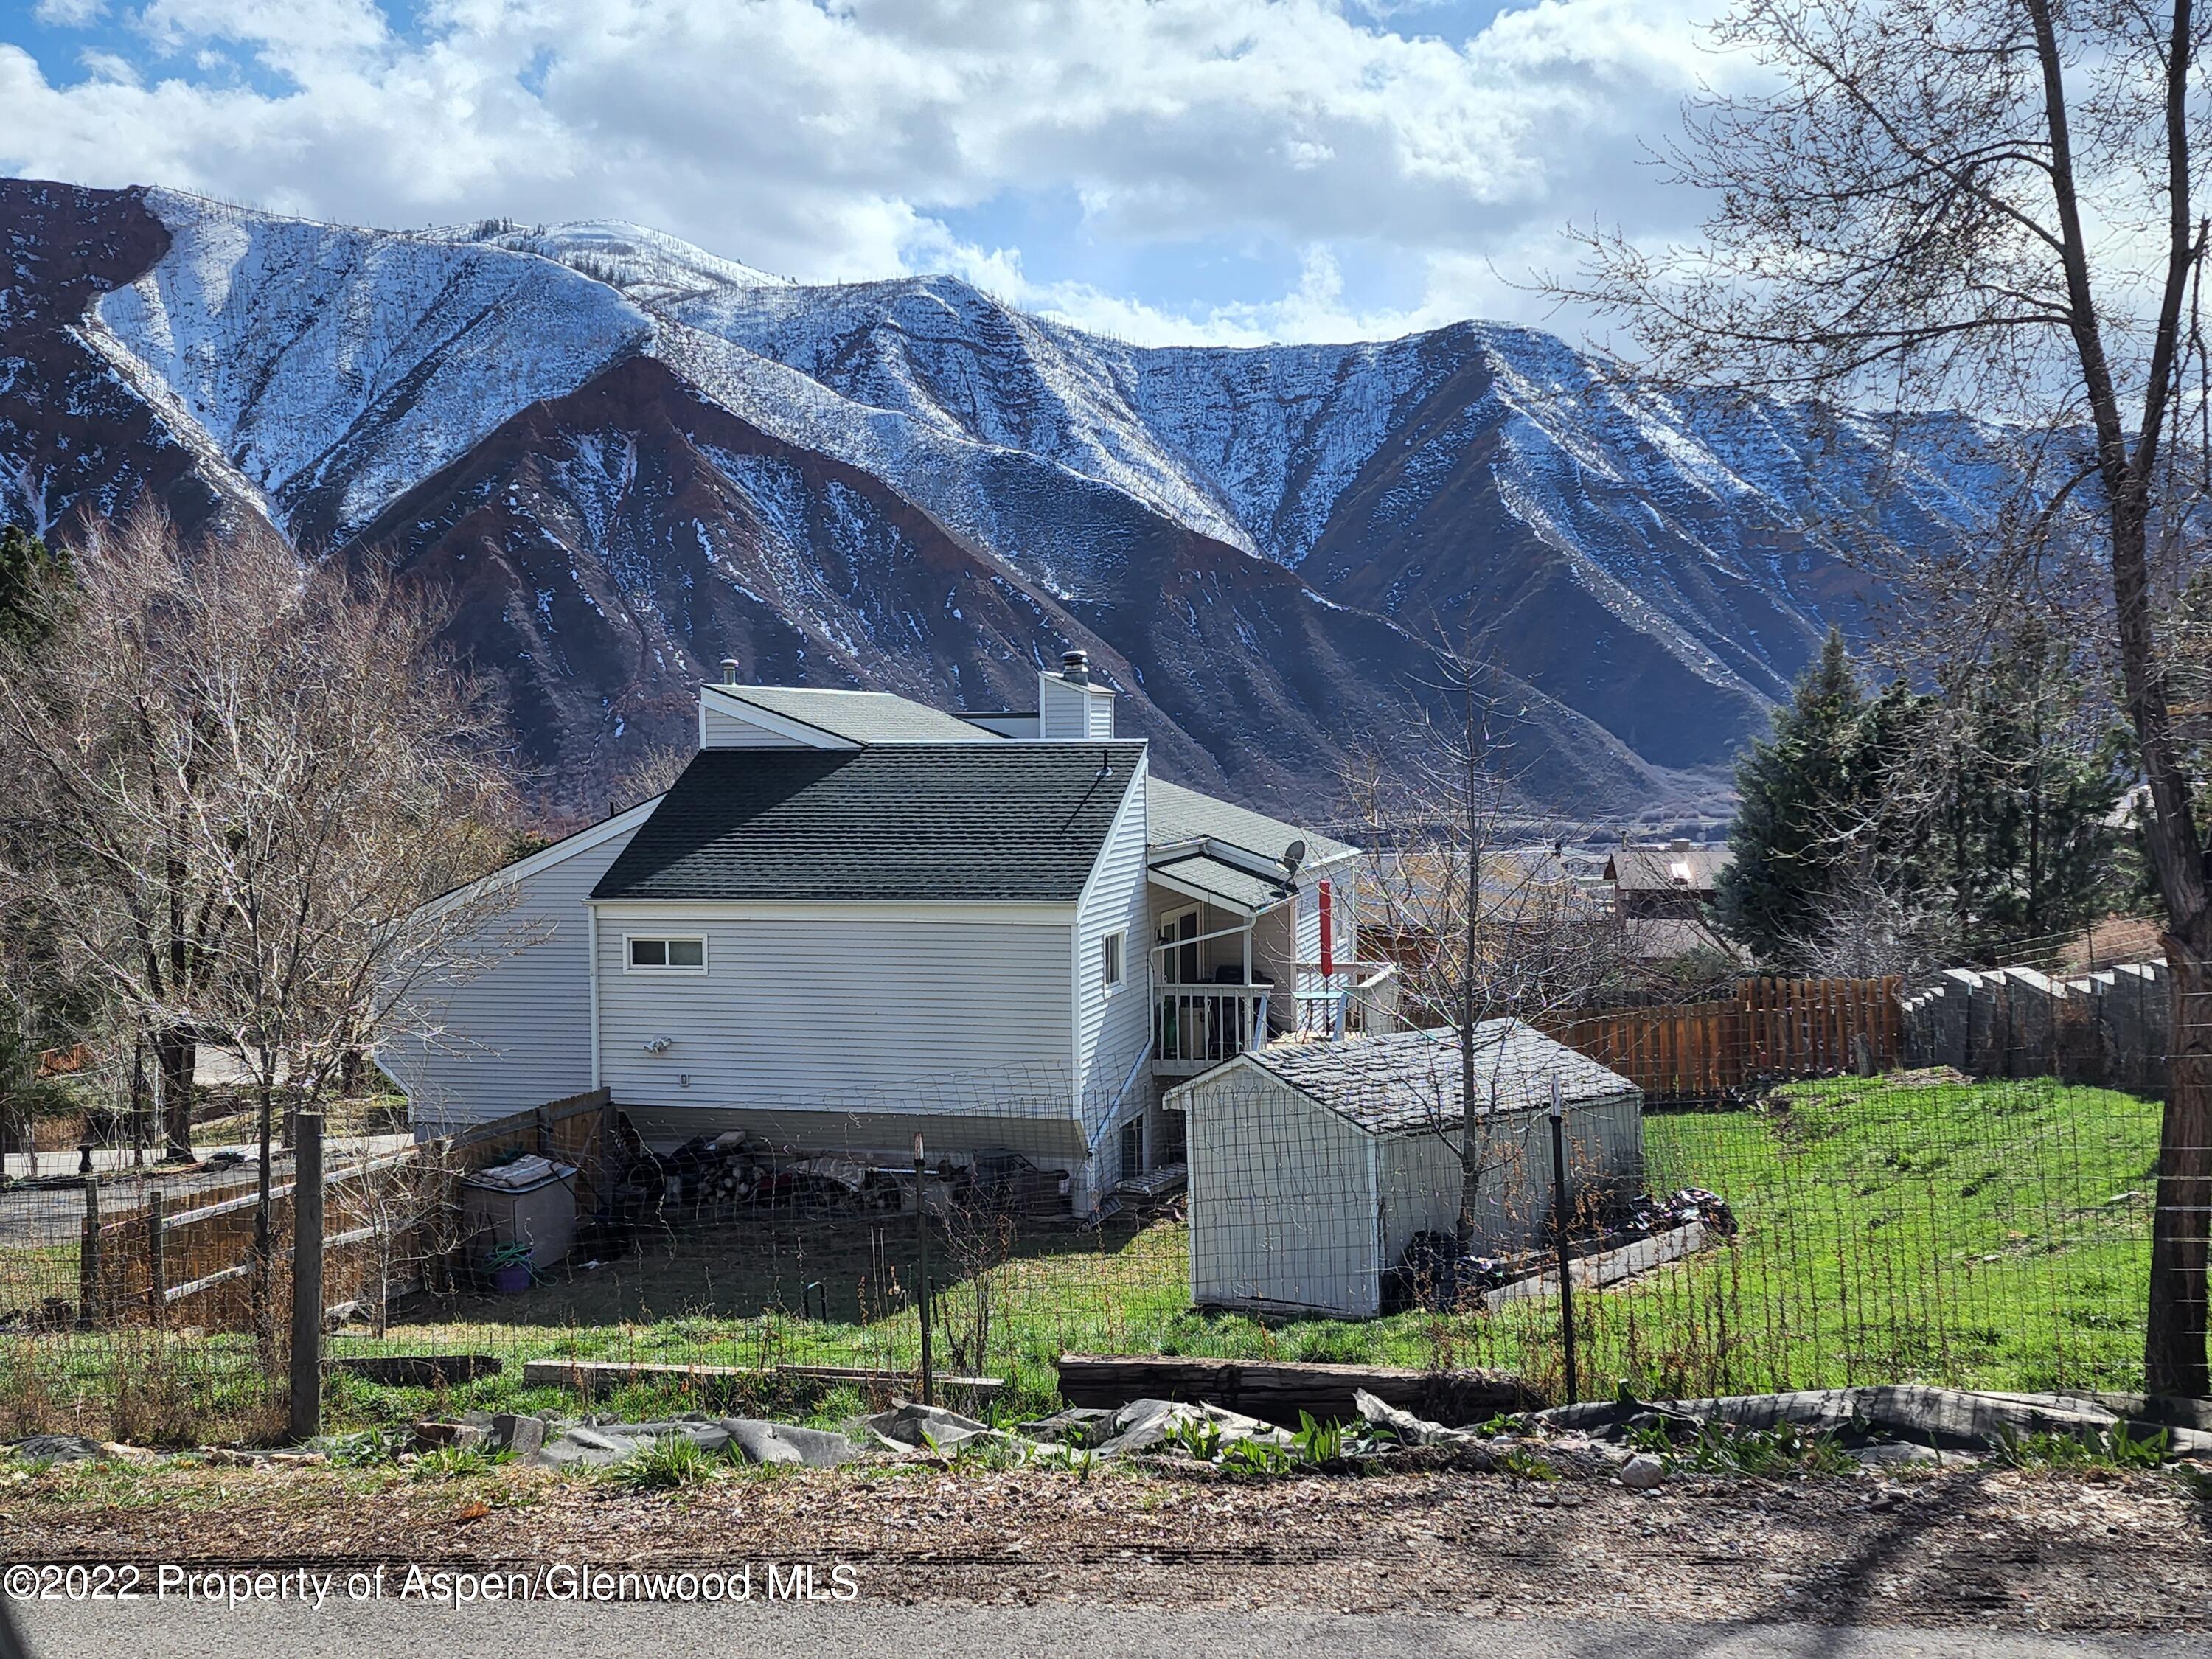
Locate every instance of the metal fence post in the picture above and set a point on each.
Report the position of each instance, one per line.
(1559, 1198)
(88, 1258)
(157, 1267)
(921, 1271)
(306, 1377)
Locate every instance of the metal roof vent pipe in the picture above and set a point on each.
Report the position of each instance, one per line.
(1075, 667)
(729, 670)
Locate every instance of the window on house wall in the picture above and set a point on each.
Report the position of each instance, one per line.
(1114, 950)
(678, 955)
(1133, 1146)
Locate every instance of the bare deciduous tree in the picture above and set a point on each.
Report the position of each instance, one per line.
(235, 781)
(1990, 205)
(1466, 889)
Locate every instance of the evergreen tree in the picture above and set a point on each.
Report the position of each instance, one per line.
(1792, 784)
(1981, 820)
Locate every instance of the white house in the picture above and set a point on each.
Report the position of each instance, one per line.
(856, 916)
(1313, 1164)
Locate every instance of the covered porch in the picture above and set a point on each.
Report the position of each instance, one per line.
(1236, 962)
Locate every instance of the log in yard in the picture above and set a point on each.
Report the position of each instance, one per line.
(1279, 1392)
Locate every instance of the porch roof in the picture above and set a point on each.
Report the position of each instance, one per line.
(1175, 814)
(1218, 881)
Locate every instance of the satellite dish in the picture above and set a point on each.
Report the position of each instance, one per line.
(1293, 856)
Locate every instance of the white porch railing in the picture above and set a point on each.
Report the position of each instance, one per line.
(1364, 994)
(1196, 1027)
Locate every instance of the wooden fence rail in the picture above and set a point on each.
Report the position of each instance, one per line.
(1770, 1030)
(164, 1262)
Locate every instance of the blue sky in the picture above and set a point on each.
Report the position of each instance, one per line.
(1167, 170)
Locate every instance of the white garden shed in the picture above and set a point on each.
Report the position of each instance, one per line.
(1313, 1164)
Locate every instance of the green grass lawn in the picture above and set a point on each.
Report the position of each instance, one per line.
(1992, 1235)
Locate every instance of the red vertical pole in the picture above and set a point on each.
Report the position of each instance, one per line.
(1328, 929)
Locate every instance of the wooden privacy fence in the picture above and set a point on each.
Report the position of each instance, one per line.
(390, 1218)
(1769, 1030)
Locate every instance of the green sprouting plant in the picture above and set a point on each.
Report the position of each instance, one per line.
(362, 1450)
(1257, 1458)
(1784, 1449)
(1199, 1435)
(1503, 1423)
(454, 1464)
(668, 1464)
(2117, 1448)
(1319, 1442)
(1523, 1464)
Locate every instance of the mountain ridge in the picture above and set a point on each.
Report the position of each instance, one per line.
(656, 456)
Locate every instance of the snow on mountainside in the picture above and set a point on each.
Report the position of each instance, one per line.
(632, 456)
(347, 364)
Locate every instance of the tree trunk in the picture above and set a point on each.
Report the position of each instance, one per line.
(2174, 1359)
(265, 1219)
(175, 1057)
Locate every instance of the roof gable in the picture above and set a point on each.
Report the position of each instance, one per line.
(973, 822)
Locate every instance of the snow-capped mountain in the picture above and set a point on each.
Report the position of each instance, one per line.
(628, 459)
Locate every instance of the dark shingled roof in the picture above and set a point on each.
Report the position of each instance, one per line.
(980, 822)
(1410, 1079)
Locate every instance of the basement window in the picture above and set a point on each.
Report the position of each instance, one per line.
(668, 956)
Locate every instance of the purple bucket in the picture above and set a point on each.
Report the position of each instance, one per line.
(511, 1280)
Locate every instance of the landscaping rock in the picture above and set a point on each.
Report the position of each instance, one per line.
(521, 1435)
(1410, 1429)
(1643, 1472)
(58, 1449)
(1145, 1425)
(430, 1435)
(1078, 1427)
(904, 1426)
(1891, 1452)
(592, 1447)
(763, 1441)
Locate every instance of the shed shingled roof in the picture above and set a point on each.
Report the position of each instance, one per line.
(1410, 1080)
(975, 822)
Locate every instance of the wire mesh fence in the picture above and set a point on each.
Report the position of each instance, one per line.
(1321, 1201)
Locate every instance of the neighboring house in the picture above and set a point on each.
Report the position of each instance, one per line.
(1314, 1164)
(855, 917)
(1662, 897)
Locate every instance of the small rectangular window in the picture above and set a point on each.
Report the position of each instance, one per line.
(682, 955)
(1116, 947)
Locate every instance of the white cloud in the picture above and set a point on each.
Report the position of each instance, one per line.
(827, 140)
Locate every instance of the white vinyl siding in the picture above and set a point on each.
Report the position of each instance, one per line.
(1068, 713)
(1421, 1174)
(1294, 1206)
(720, 729)
(1114, 1023)
(826, 1006)
(519, 1034)
(1282, 1201)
